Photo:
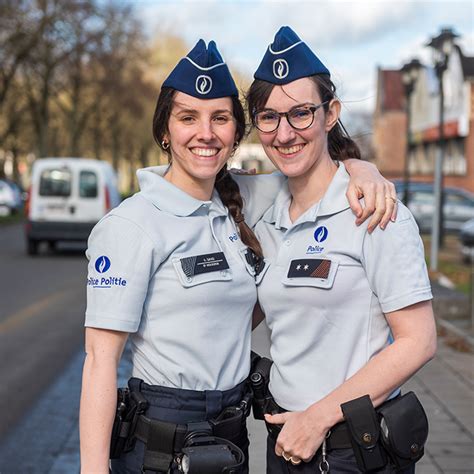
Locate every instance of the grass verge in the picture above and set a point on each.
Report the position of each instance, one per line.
(450, 262)
(12, 219)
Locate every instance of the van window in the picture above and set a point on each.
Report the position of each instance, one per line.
(55, 182)
(87, 184)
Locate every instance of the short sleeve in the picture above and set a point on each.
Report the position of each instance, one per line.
(395, 265)
(121, 262)
(258, 193)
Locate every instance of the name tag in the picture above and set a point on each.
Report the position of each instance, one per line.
(199, 264)
(309, 268)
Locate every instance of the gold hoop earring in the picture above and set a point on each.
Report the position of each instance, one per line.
(165, 145)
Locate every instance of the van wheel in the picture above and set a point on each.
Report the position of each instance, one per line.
(32, 247)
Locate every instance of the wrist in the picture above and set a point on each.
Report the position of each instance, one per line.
(326, 414)
(358, 162)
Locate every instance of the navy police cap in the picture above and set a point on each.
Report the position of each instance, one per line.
(202, 74)
(288, 58)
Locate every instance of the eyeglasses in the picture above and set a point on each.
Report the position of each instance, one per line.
(300, 118)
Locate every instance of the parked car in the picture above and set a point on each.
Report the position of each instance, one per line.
(10, 197)
(466, 236)
(67, 197)
(458, 205)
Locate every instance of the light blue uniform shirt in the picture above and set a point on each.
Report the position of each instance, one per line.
(326, 287)
(172, 270)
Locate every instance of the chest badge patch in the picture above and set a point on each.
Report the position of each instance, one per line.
(199, 264)
(321, 234)
(309, 268)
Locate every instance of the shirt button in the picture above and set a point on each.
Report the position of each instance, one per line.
(189, 279)
(224, 273)
(288, 243)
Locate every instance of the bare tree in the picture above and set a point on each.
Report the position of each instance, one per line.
(79, 78)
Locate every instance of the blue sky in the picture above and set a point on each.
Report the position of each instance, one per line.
(350, 37)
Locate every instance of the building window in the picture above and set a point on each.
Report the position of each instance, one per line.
(454, 158)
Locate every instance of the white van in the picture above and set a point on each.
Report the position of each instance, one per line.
(67, 197)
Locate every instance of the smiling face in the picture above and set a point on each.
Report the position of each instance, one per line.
(297, 152)
(201, 134)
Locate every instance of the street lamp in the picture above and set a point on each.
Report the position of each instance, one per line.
(442, 45)
(410, 74)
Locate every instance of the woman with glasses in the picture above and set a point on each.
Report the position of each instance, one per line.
(349, 311)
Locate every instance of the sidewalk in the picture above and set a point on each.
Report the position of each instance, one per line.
(47, 441)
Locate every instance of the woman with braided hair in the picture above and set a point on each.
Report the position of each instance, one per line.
(173, 268)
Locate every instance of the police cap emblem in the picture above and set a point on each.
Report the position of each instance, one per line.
(203, 84)
(280, 68)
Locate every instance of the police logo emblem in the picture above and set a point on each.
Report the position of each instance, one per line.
(203, 85)
(102, 264)
(321, 234)
(280, 68)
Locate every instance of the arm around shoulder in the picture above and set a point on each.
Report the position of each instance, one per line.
(380, 197)
(258, 193)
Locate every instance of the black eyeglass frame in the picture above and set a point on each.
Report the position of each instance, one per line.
(312, 107)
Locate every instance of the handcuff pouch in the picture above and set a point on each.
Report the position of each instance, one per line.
(404, 429)
(364, 432)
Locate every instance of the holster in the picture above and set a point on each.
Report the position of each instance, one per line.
(259, 379)
(130, 405)
(404, 428)
(364, 428)
(120, 428)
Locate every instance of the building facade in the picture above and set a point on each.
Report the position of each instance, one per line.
(390, 123)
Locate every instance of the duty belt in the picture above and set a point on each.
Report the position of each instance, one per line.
(165, 441)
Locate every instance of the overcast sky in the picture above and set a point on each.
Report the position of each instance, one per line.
(350, 37)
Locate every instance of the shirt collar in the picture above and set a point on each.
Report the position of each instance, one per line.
(333, 201)
(278, 213)
(171, 199)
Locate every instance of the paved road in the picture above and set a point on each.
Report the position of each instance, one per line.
(41, 318)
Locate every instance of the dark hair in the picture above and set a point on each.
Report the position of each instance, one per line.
(340, 145)
(225, 185)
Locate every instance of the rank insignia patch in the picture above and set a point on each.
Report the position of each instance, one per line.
(309, 268)
(199, 264)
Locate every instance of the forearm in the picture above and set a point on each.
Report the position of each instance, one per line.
(98, 403)
(378, 378)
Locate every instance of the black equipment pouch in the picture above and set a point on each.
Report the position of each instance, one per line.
(364, 429)
(229, 423)
(404, 428)
(209, 454)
